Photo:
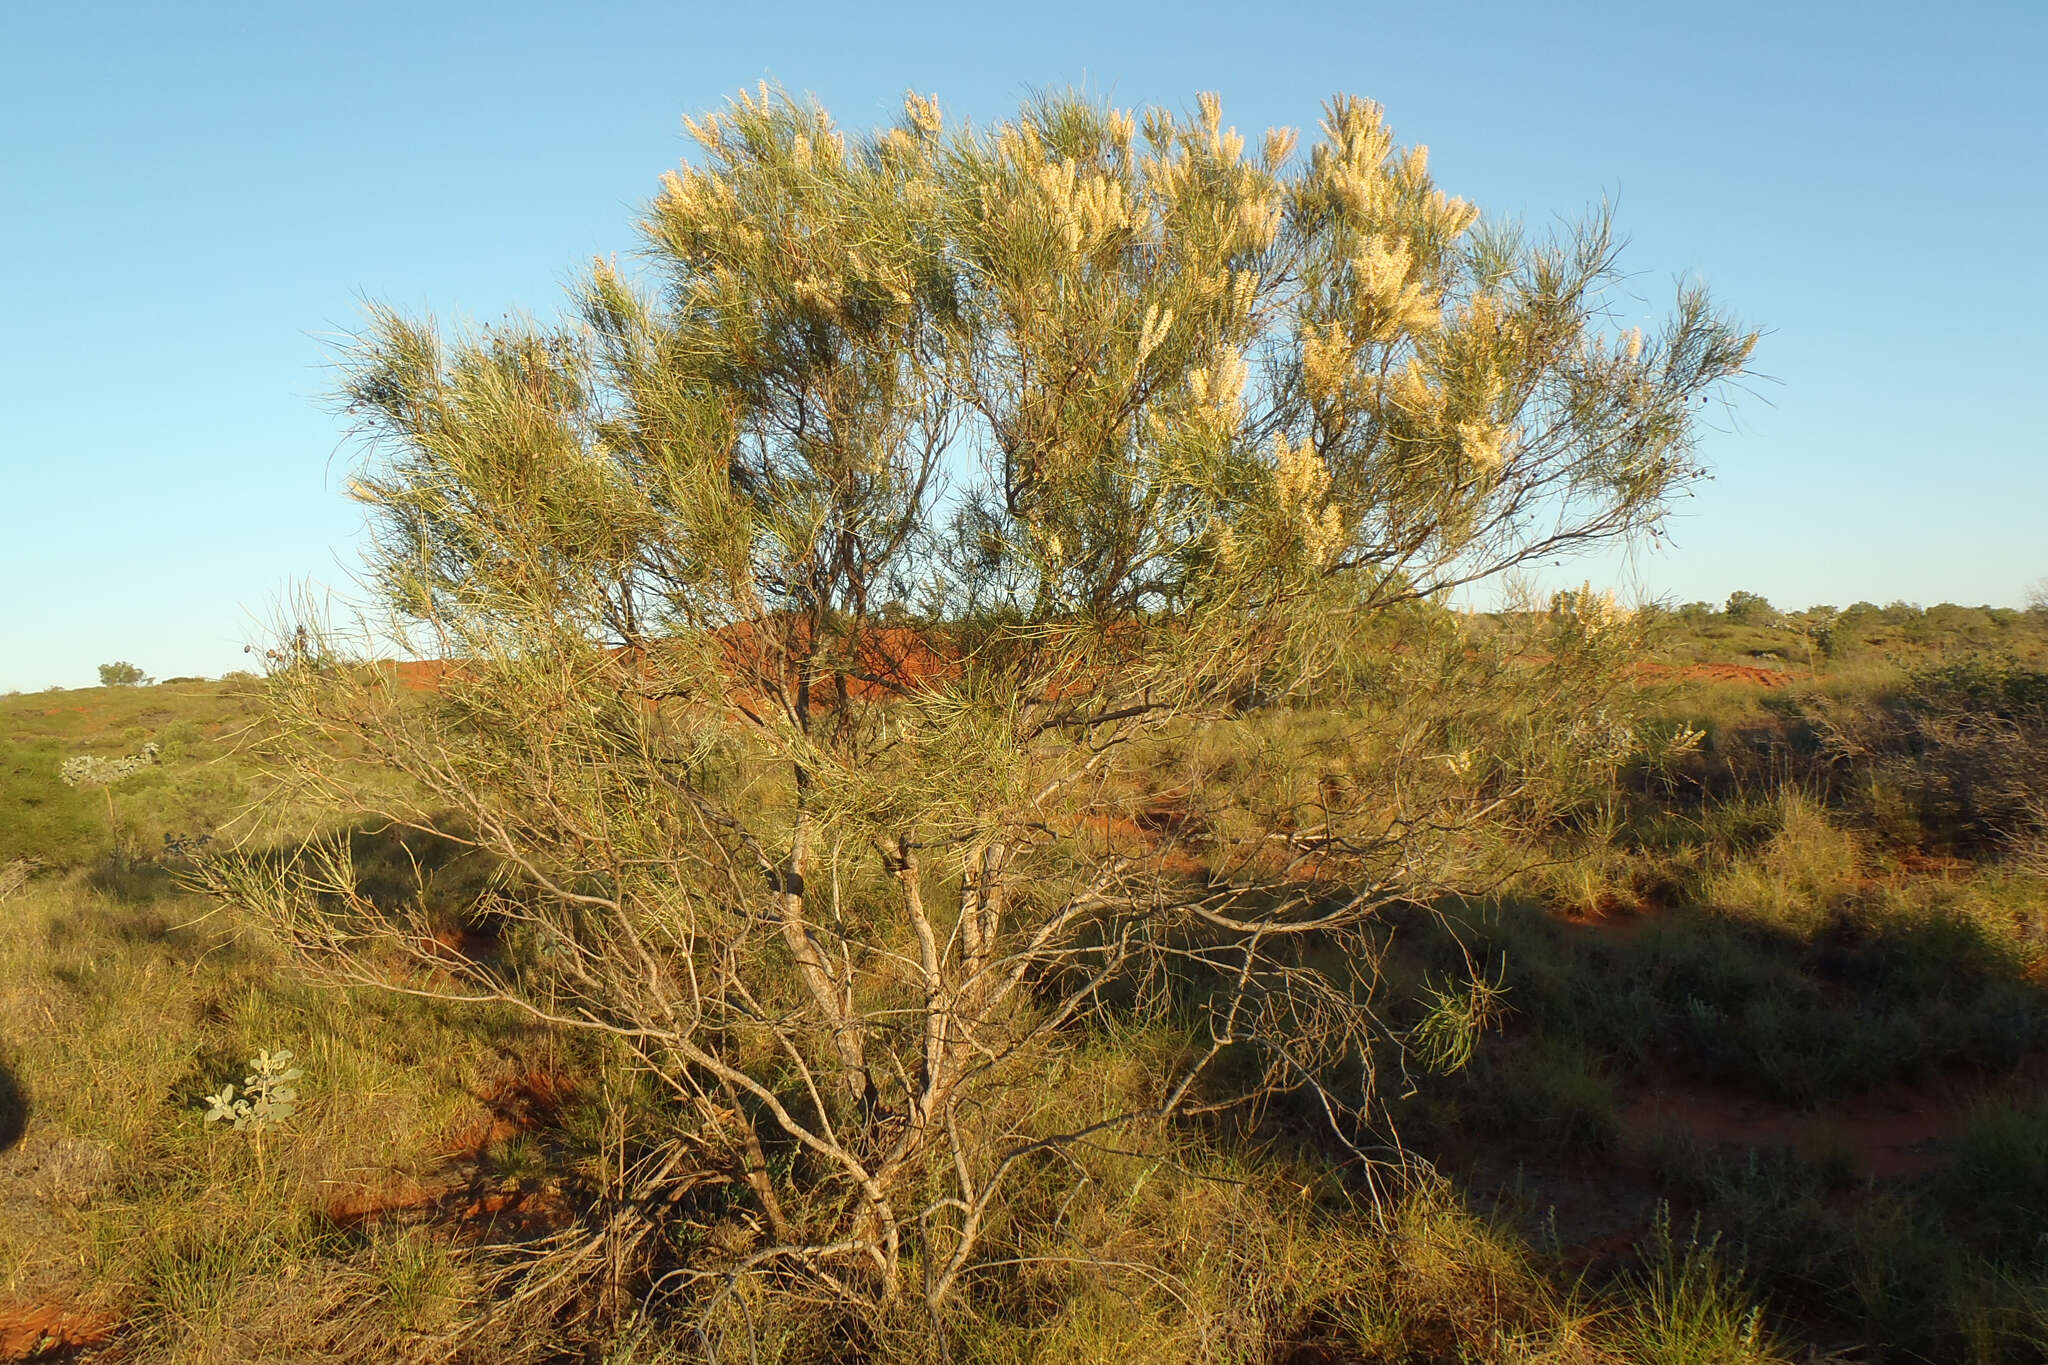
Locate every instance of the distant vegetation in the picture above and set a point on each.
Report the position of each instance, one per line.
(122, 674)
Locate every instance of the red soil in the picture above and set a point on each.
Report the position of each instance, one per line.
(1141, 838)
(462, 1211)
(419, 675)
(48, 1332)
(1891, 1133)
(888, 661)
(363, 1204)
(1178, 841)
(1613, 919)
(1915, 863)
(522, 1103)
(1896, 1132)
(1723, 673)
(468, 945)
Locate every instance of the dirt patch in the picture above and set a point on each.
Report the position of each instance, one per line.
(463, 1199)
(1613, 919)
(492, 1214)
(876, 663)
(364, 1204)
(1915, 863)
(1169, 815)
(521, 1103)
(47, 1331)
(1717, 673)
(1895, 1132)
(1598, 1211)
(468, 946)
(1154, 836)
(450, 1206)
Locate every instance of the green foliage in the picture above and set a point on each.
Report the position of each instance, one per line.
(121, 674)
(1963, 746)
(269, 1094)
(1749, 609)
(166, 761)
(1999, 1180)
(45, 819)
(1766, 948)
(1686, 1307)
(115, 1012)
(114, 1016)
(1457, 1012)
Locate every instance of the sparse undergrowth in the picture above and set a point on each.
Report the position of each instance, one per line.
(119, 1021)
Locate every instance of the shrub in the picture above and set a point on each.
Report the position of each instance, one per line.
(841, 642)
(1963, 745)
(1749, 609)
(121, 674)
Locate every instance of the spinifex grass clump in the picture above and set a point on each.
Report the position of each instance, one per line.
(857, 636)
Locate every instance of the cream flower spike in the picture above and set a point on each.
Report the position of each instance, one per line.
(923, 113)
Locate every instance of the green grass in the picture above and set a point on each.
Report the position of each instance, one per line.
(1687, 1307)
(116, 1018)
(203, 782)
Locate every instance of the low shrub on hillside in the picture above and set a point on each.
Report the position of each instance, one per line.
(1957, 752)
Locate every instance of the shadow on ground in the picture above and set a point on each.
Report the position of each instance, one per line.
(13, 1108)
(1853, 1110)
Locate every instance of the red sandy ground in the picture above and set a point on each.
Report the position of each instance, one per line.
(1726, 673)
(1891, 1133)
(519, 1104)
(879, 663)
(1896, 1132)
(49, 1332)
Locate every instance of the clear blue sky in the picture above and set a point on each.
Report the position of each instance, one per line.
(195, 196)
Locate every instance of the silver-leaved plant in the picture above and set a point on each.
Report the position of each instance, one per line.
(268, 1095)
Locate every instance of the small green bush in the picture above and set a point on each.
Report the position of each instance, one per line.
(1749, 609)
